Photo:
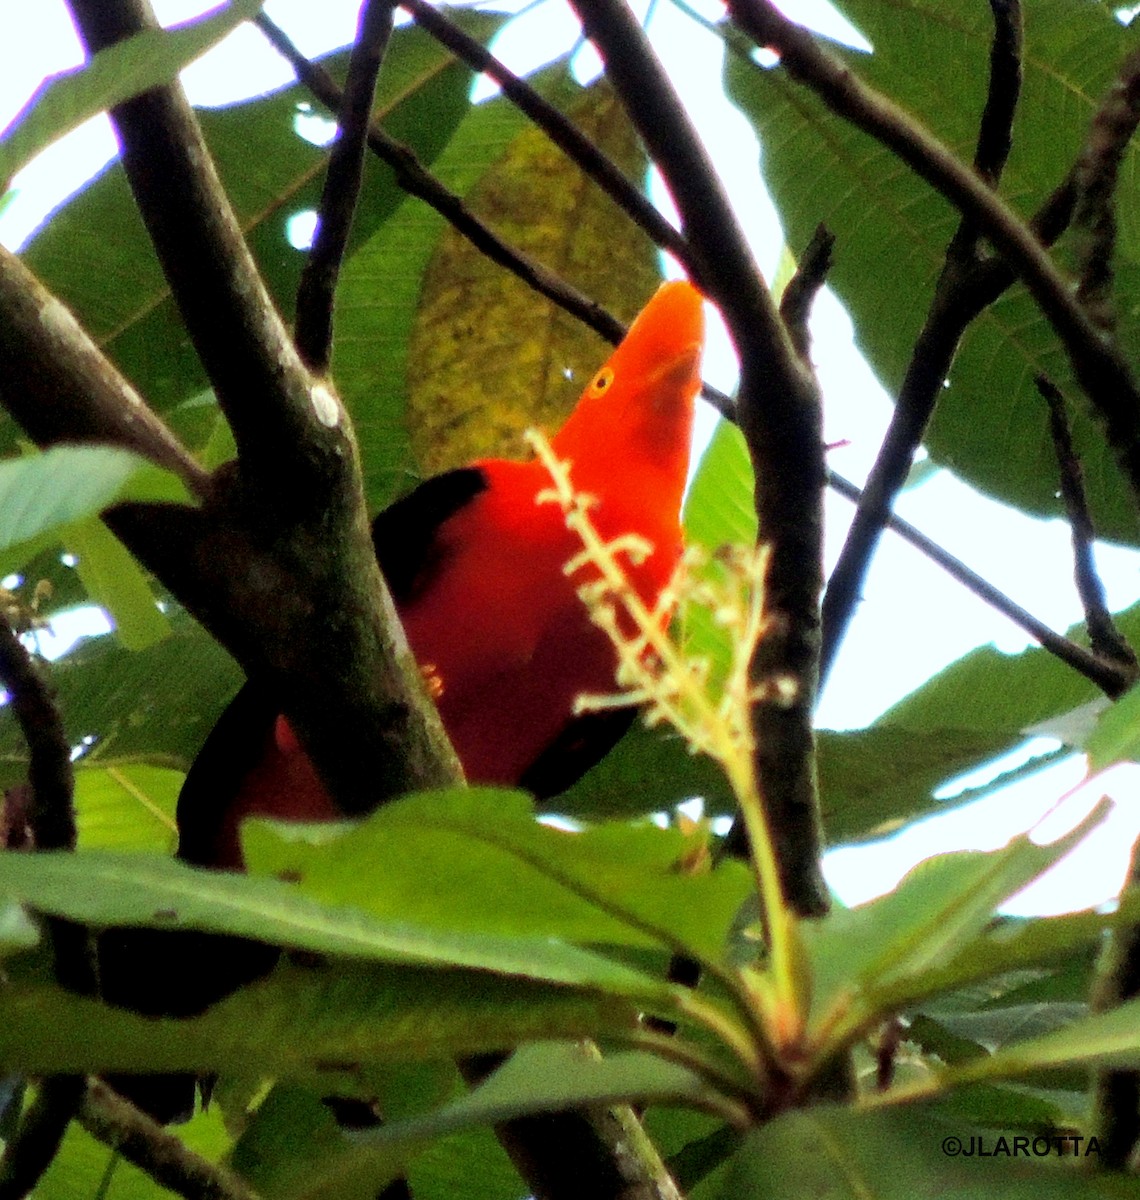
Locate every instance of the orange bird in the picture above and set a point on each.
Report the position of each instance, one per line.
(475, 567)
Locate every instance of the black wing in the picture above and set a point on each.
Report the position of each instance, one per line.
(404, 533)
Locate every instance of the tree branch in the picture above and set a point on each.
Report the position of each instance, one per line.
(967, 284)
(1107, 641)
(802, 289)
(51, 818)
(164, 1157)
(281, 567)
(44, 353)
(563, 133)
(342, 187)
(1099, 367)
(995, 131)
(289, 428)
(1109, 676)
(780, 416)
(1097, 172)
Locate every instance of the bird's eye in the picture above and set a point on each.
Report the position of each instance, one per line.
(601, 381)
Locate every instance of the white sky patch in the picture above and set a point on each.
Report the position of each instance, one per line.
(314, 127)
(301, 228)
(68, 627)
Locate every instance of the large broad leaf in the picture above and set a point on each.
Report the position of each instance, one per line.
(117, 583)
(892, 229)
(925, 936)
(148, 59)
(106, 889)
(301, 1019)
(613, 884)
(1110, 1039)
(54, 497)
(127, 807)
(293, 1128)
(41, 494)
(648, 771)
(488, 357)
(832, 1153)
(95, 254)
(17, 930)
(379, 297)
(1001, 696)
(1116, 737)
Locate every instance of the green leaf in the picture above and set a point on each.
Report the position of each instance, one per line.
(379, 293)
(117, 583)
(301, 1021)
(146, 60)
(108, 889)
(40, 494)
(293, 1128)
(551, 1077)
(919, 938)
(872, 781)
(931, 57)
(1109, 1039)
(719, 511)
(1116, 736)
(831, 1153)
(488, 358)
(648, 771)
(127, 807)
(614, 884)
(719, 508)
(987, 701)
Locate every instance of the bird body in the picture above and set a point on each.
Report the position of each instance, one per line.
(476, 568)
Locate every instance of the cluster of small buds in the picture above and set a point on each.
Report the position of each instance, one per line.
(653, 670)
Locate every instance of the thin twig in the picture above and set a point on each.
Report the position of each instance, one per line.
(342, 187)
(1098, 365)
(995, 130)
(51, 815)
(51, 818)
(165, 1158)
(1106, 640)
(35, 1144)
(563, 133)
(967, 284)
(1097, 173)
(800, 294)
(417, 181)
(1108, 676)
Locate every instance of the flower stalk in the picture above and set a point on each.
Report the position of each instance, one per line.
(713, 715)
